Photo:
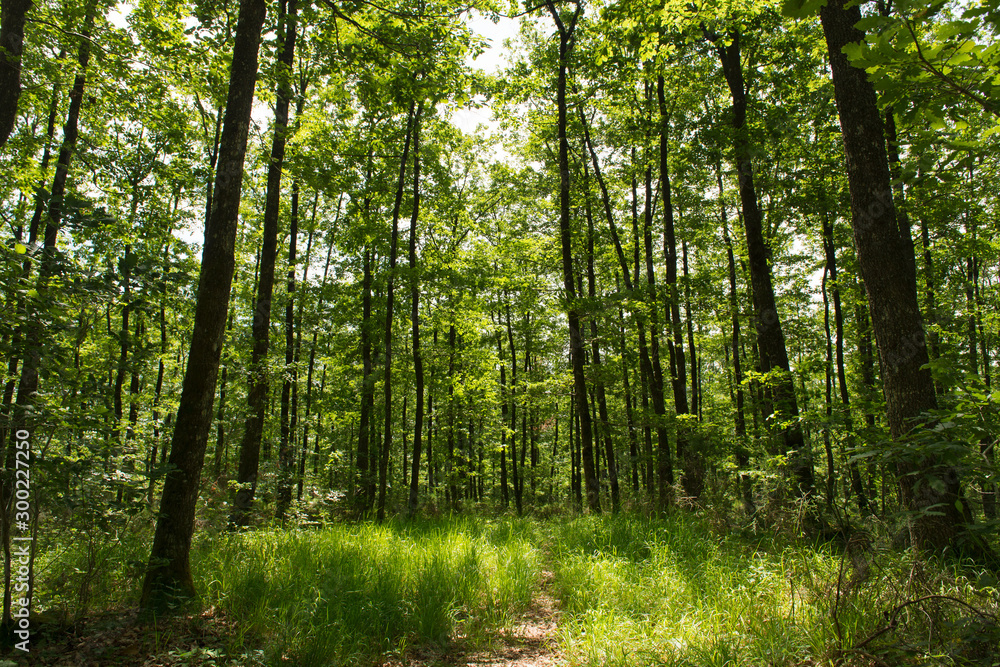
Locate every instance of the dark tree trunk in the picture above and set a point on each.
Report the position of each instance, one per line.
(11, 47)
(770, 338)
(595, 351)
(412, 133)
(516, 470)
(258, 381)
(891, 288)
(286, 442)
(418, 360)
(312, 354)
(365, 492)
(739, 415)
(857, 485)
(695, 375)
(566, 42)
(692, 479)
(169, 571)
(300, 475)
(27, 387)
(647, 376)
(220, 417)
(504, 490)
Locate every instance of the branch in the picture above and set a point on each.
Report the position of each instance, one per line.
(944, 77)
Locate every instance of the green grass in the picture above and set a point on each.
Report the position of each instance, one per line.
(350, 593)
(671, 592)
(633, 590)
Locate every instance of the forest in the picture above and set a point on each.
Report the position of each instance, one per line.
(665, 337)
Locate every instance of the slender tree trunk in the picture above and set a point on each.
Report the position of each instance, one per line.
(739, 414)
(412, 133)
(169, 571)
(23, 418)
(418, 360)
(286, 442)
(693, 478)
(258, 380)
(220, 417)
(891, 288)
(695, 384)
(566, 42)
(770, 338)
(857, 485)
(364, 495)
(647, 376)
(595, 351)
(516, 470)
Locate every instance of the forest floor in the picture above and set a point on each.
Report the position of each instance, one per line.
(626, 591)
(199, 640)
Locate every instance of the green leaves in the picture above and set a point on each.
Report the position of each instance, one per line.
(801, 9)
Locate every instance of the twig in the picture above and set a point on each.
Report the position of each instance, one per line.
(944, 77)
(895, 612)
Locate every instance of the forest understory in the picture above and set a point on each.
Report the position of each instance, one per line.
(693, 589)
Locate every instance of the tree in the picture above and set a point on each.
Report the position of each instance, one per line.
(168, 574)
(258, 380)
(891, 288)
(566, 40)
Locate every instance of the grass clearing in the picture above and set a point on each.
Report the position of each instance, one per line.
(631, 591)
(349, 594)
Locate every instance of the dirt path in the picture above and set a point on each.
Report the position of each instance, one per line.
(530, 643)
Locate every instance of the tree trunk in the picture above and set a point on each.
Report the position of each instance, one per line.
(286, 442)
(418, 360)
(692, 479)
(595, 351)
(857, 485)
(892, 290)
(11, 47)
(27, 387)
(566, 42)
(412, 133)
(516, 470)
(258, 380)
(169, 572)
(770, 338)
(739, 415)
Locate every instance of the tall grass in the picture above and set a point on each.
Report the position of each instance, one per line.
(348, 594)
(638, 591)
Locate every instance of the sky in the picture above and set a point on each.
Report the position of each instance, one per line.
(492, 61)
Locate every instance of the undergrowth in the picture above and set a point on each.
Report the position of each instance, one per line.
(348, 594)
(672, 592)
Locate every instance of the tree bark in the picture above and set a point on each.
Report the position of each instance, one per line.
(286, 446)
(11, 48)
(566, 43)
(857, 485)
(770, 337)
(258, 380)
(169, 571)
(595, 351)
(892, 293)
(692, 479)
(412, 134)
(418, 360)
